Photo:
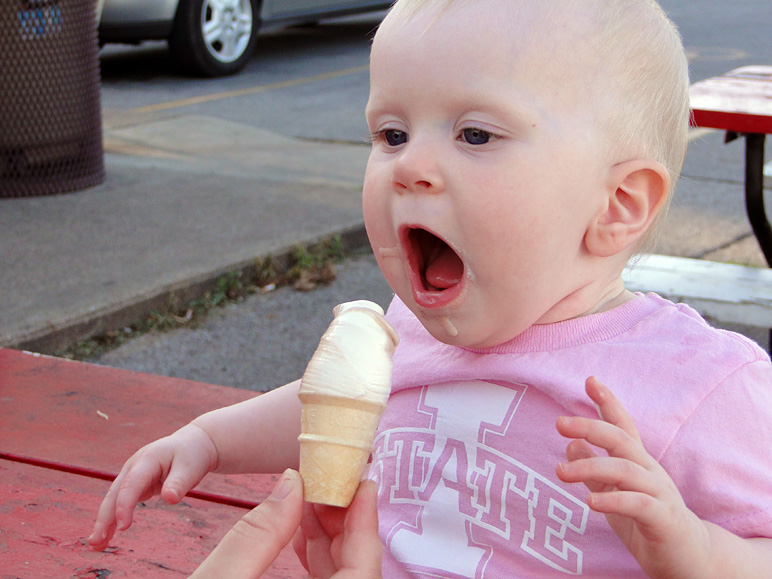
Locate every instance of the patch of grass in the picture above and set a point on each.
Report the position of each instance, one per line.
(315, 265)
(308, 267)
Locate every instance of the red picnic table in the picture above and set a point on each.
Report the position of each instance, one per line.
(740, 103)
(66, 429)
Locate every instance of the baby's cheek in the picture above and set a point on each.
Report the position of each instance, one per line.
(394, 273)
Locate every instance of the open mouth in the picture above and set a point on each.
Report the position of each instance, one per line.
(436, 270)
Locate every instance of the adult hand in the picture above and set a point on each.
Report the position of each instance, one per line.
(342, 543)
(336, 543)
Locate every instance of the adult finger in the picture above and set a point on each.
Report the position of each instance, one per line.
(299, 546)
(254, 542)
(344, 543)
(362, 550)
(318, 547)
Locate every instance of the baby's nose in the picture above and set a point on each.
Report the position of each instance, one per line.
(418, 170)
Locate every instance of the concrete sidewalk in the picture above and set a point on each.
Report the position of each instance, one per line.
(185, 200)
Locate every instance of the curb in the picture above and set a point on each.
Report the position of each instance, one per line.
(61, 336)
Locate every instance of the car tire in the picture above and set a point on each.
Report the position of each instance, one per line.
(215, 37)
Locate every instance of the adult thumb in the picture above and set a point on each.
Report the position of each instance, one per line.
(255, 541)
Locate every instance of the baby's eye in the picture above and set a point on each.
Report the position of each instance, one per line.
(475, 136)
(394, 137)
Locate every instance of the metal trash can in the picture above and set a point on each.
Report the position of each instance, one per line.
(50, 110)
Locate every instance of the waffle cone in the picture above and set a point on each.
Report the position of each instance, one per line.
(335, 444)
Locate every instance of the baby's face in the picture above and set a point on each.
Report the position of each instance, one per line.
(483, 176)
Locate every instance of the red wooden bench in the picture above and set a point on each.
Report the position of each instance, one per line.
(65, 430)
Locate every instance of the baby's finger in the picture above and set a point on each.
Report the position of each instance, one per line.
(609, 407)
(106, 524)
(603, 474)
(615, 441)
(578, 450)
(104, 528)
(182, 477)
(645, 510)
(138, 484)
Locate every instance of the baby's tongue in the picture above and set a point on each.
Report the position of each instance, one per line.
(445, 270)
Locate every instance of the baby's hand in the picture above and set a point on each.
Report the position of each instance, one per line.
(639, 499)
(170, 467)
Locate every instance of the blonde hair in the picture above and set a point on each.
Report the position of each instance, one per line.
(643, 91)
(647, 64)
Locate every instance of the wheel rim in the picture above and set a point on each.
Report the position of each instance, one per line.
(226, 26)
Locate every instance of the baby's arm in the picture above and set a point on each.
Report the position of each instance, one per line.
(257, 435)
(643, 505)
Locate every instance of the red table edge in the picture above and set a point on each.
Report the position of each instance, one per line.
(738, 122)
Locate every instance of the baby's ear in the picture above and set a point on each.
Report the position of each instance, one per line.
(636, 191)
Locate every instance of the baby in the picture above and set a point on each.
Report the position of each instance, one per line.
(522, 153)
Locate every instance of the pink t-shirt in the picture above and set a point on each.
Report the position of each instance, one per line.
(467, 448)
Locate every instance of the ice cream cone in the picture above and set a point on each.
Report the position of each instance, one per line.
(335, 446)
(343, 392)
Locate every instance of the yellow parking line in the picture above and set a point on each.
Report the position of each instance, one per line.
(251, 90)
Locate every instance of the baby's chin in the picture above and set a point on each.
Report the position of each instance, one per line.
(465, 329)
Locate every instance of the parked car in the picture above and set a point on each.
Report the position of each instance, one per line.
(213, 37)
